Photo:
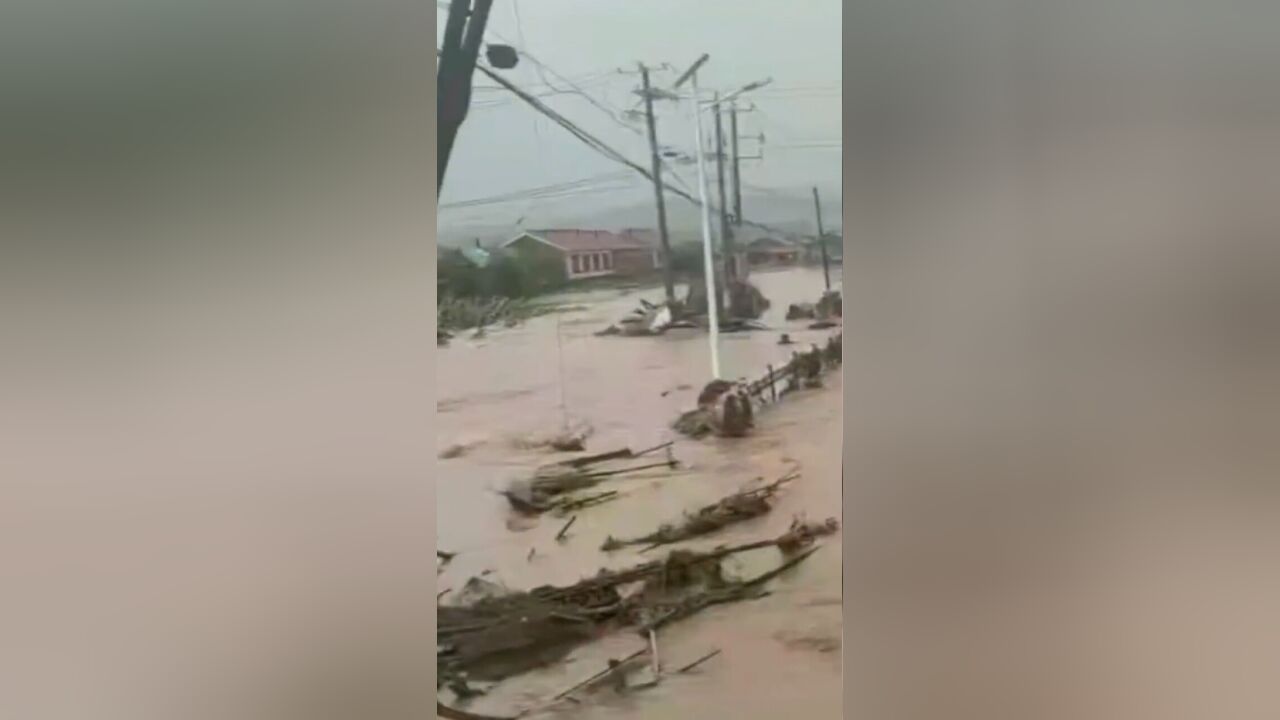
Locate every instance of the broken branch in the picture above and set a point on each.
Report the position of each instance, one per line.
(563, 530)
(602, 674)
(699, 661)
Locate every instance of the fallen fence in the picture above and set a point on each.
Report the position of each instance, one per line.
(728, 409)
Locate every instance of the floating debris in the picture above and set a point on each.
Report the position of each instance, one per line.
(698, 662)
(552, 486)
(728, 409)
(646, 320)
(828, 306)
(803, 534)
(457, 450)
(503, 634)
(801, 311)
(735, 508)
(724, 408)
(565, 529)
(569, 442)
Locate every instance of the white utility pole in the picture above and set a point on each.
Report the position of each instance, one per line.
(708, 257)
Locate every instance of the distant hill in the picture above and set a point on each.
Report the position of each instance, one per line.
(788, 210)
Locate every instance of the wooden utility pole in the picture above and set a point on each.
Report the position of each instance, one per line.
(822, 241)
(737, 174)
(463, 35)
(668, 278)
(726, 233)
(745, 270)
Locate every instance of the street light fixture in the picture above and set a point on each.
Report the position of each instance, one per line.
(756, 85)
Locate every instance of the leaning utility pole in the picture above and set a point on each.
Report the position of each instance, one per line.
(822, 241)
(726, 234)
(668, 279)
(463, 35)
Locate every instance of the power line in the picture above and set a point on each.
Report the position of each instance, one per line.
(538, 192)
(612, 112)
(602, 148)
(609, 110)
(816, 146)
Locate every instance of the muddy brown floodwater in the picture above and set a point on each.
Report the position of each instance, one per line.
(499, 394)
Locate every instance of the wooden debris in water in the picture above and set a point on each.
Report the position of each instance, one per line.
(802, 534)
(734, 508)
(552, 486)
(699, 661)
(619, 454)
(565, 529)
(613, 668)
(570, 505)
(505, 634)
(569, 442)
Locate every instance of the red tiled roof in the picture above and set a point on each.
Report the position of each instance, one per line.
(571, 240)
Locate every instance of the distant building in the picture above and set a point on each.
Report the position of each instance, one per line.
(767, 251)
(590, 253)
(835, 250)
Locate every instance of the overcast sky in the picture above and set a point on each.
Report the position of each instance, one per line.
(506, 147)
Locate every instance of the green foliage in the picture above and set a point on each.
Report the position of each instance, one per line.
(507, 275)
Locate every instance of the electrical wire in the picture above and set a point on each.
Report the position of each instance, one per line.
(541, 191)
(546, 198)
(602, 148)
(605, 150)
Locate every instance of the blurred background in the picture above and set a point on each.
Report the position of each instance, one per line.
(1062, 360)
(215, 223)
(215, 378)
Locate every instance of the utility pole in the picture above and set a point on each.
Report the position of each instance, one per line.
(726, 236)
(737, 180)
(822, 241)
(463, 35)
(737, 173)
(668, 279)
(708, 262)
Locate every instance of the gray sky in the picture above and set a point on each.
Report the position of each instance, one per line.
(505, 146)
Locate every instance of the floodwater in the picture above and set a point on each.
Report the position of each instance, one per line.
(499, 395)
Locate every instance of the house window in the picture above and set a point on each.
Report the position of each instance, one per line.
(608, 261)
(577, 264)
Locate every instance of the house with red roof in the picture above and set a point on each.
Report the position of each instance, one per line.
(590, 253)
